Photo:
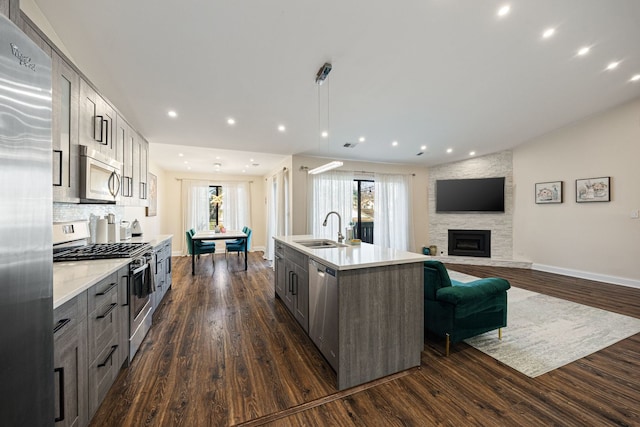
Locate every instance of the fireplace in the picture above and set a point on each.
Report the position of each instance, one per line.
(470, 243)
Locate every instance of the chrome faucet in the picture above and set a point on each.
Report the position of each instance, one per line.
(340, 236)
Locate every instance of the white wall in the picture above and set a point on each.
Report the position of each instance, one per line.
(171, 204)
(597, 240)
(300, 188)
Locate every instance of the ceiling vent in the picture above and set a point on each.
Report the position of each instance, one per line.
(350, 144)
(420, 153)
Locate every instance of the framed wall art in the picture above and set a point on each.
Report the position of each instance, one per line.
(549, 192)
(593, 190)
(152, 209)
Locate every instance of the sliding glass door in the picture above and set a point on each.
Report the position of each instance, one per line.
(363, 206)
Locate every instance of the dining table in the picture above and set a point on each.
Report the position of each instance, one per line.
(212, 235)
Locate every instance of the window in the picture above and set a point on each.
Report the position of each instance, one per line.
(215, 206)
(363, 205)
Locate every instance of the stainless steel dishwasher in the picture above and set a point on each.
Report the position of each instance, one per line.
(323, 310)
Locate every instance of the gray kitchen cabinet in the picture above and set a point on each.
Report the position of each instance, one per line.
(280, 270)
(70, 362)
(97, 119)
(66, 96)
(10, 9)
(163, 273)
(296, 285)
(125, 137)
(140, 170)
(103, 326)
(123, 314)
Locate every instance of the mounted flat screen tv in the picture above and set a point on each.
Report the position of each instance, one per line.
(470, 195)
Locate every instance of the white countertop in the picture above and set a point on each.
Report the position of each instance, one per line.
(350, 257)
(73, 277)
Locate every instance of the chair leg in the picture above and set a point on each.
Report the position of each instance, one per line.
(448, 343)
(499, 333)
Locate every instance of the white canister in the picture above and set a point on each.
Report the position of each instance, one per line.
(113, 233)
(102, 230)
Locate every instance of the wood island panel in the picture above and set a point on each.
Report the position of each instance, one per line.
(381, 325)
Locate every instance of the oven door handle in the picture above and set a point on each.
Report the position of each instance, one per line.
(128, 292)
(140, 269)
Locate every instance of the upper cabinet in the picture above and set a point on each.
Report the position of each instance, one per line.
(66, 95)
(81, 116)
(97, 120)
(10, 9)
(124, 136)
(143, 167)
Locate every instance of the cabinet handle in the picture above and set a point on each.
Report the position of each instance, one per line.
(57, 166)
(109, 310)
(60, 372)
(295, 292)
(113, 350)
(291, 281)
(106, 132)
(61, 324)
(109, 289)
(169, 264)
(143, 190)
(98, 119)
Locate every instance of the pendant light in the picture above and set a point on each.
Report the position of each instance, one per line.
(321, 76)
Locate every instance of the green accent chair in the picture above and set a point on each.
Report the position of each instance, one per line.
(200, 246)
(456, 311)
(238, 245)
(237, 241)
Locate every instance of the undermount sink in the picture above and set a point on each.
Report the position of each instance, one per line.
(320, 244)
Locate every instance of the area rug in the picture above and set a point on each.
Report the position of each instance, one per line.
(544, 333)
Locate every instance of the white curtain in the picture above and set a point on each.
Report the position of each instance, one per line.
(195, 207)
(393, 219)
(330, 191)
(236, 202)
(277, 209)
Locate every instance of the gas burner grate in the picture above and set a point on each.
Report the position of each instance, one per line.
(102, 251)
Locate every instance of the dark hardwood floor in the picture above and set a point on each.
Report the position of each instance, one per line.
(223, 351)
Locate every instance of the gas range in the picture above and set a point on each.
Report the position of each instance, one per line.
(102, 251)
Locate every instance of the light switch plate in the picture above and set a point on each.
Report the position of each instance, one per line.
(635, 214)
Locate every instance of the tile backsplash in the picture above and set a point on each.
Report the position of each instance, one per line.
(63, 212)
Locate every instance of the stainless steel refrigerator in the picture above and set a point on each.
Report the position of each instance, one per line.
(26, 268)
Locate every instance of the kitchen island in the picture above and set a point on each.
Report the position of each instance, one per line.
(362, 306)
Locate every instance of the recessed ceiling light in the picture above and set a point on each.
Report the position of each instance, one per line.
(613, 65)
(584, 50)
(188, 167)
(251, 160)
(172, 114)
(217, 157)
(243, 171)
(246, 166)
(180, 155)
(185, 162)
(231, 121)
(324, 134)
(504, 10)
(361, 139)
(281, 128)
(635, 78)
(424, 147)
(472, 153)
(449, 150)
(548, 33)
(394, 143)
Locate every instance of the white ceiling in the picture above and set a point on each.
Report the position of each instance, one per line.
(440, 73)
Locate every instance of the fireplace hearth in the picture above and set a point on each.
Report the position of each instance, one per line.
(475, 243)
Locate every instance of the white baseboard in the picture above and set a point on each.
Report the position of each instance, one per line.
(632, 283)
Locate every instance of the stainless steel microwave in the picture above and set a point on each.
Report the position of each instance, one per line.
(100, 177)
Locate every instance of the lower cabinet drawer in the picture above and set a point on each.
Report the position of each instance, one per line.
(102, 373)
(103, 327)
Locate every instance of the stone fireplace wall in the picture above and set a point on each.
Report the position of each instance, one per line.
(500, 224)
